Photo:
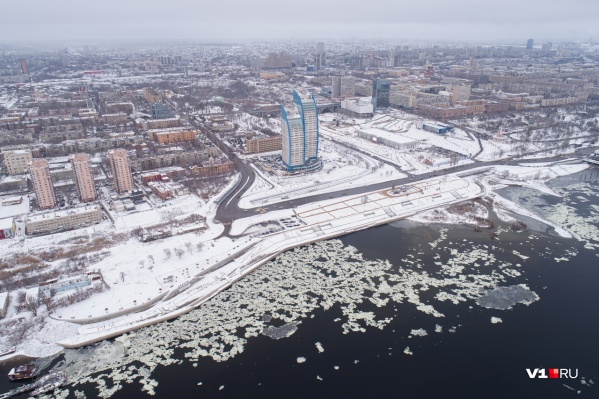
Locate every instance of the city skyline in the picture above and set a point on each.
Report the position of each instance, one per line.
(182, 20)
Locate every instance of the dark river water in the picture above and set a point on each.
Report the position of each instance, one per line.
(470, 357)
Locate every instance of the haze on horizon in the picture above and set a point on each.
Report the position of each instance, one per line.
(234, 20)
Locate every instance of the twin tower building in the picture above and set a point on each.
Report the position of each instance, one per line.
(300, 133)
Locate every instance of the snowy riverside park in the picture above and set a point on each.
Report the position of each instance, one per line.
(140, 283)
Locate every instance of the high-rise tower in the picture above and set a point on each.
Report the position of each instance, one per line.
(42, 183)
(121, 170)
(299, 132)
(84, 181)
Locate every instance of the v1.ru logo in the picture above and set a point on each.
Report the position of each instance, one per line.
(553, 373)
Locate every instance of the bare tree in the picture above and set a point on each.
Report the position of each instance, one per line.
(199, 246)
(47, 300)
(122, 274)
(179, 252)
(167, 253)
(32, 304)
(142, 263)
(150, 259)
(189, 247)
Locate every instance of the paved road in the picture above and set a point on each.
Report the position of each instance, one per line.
(228, 210)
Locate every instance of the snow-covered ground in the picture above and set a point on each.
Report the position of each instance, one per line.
(342, 169)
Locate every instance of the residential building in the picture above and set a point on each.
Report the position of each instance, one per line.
(300, 132)
(175, 136)
(82, 175)
(213, 167)
(121, 170)
(343, 86)
(263, 143)
(17, 161)
(275, 61)
(42, 183)
(319, 56)
(151, 95)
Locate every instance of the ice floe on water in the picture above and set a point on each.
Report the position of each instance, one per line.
(319, 347)
(421, 332)
(301, 359)
(496, 320)
(438, 328)
(508, 296)
(275, 298)
(407, 351)
(283, 331)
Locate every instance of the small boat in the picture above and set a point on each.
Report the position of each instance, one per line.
(8, 351)
(22, 372)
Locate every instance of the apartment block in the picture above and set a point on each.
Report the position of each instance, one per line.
(121, 170)
(17, 161)
(42, 183)
(82, 175)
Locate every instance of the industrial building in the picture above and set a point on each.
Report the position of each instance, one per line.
(388, 139)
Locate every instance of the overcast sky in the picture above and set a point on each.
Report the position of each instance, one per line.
(231, 20)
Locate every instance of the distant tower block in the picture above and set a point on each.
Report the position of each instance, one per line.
(24, 66)
(529, 44)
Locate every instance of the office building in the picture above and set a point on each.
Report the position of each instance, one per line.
(121, 170)
(299, 132)
(380, 93)
(42, 183)
(84, 180)
(529, 44)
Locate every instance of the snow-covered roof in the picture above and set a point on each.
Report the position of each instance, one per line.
(14, 210)
(66, 212)
(6, 223)
(397, 138)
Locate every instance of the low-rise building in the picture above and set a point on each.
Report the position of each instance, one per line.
(63, 220)
(389, 139)
(166, 137)
(4, 301)
(162, 190)
(214, 167)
